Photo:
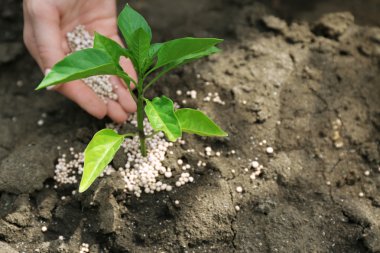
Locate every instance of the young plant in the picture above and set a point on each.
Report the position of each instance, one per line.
(147, 58)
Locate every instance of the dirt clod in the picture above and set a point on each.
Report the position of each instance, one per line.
(334, 25)
(276, 24)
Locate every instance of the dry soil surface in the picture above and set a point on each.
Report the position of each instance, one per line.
(310, 90)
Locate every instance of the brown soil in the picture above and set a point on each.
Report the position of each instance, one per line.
(312, 92)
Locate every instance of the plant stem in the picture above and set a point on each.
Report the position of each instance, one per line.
(127, 81)
(140, 117)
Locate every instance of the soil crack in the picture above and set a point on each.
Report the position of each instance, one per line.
(233, 219)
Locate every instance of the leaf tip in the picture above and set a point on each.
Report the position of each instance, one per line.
(224, 134)
(83, 188)
(41, 86)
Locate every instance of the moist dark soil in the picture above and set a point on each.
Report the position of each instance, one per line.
(307, 83)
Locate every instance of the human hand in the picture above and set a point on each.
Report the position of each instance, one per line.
(46, 23)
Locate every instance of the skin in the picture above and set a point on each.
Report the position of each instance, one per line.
(46, 23)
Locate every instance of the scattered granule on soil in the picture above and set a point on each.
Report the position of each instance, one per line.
(208, 151)
(192, 94)
(335, 136)
(201, 164)
(258, 169)
(232, 152)
(269, 150)
(184, 178)
(84, 248)
(214, 97)
(80, 39)
(67, 171)
(255, 164)
(40, 122)
(140, 174)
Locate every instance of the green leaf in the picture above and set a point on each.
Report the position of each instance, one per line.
(98, 154)
(79, 65)
(153, 50)
(160, 112)
(139, 47)
(196, 122)
(129, 21)
(110, 46)
(183, 49)
(182, 61)
(192, 57)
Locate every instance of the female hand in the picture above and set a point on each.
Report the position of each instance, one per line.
(46, 23)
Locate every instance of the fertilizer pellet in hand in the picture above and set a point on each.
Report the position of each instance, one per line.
(80, 39)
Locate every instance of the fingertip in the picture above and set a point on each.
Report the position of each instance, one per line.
(100, 115)
(116, 112)
(128, 68)
(125, 98)
(100, 112)
(65, 47)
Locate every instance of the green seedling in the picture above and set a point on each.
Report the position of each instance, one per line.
(147, 58)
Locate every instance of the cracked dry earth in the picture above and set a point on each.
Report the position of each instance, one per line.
(309, 90)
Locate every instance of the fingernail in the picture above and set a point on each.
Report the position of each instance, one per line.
(47, 71)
